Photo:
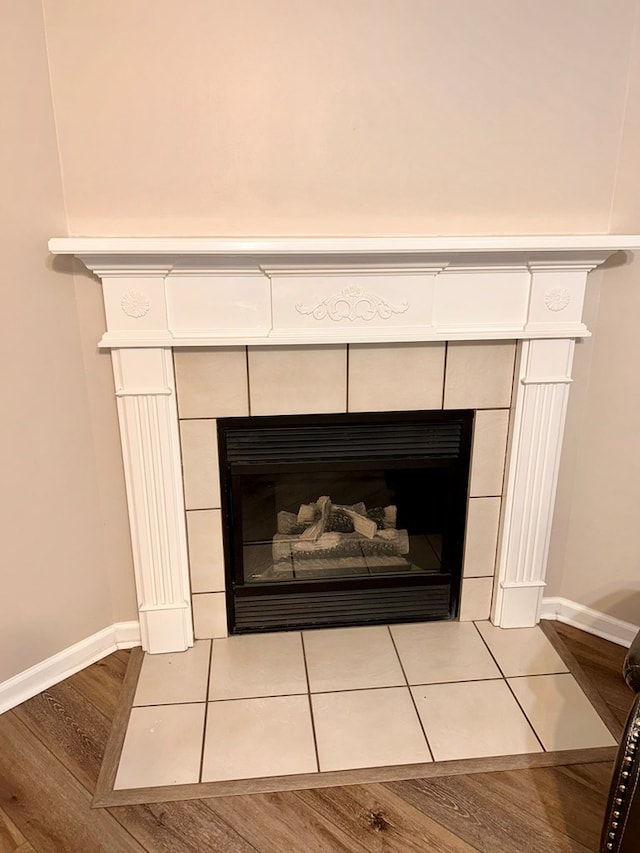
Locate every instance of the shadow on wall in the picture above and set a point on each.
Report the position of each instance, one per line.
(621, 601)
(618, 259)
(69, 265)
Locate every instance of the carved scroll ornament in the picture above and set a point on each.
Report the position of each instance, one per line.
(353, 303)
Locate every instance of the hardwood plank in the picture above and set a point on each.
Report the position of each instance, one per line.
(595, 777)
(73, 729)
(482, 820)
(186, 827)
(586, 683)
(602, 662)
(100, 683)
(275, 822)
(47, 803)
(564, 803)
(123, 655)
(11, 838)
(382, 821)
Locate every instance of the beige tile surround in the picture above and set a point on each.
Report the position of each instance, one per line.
(236, 381)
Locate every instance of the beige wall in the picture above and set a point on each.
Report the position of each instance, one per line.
(595, 554)
(340, 116)
(296, 117)
(56, 589)
(595, 548)
(366, 117)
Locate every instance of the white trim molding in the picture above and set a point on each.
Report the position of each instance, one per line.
(25, 685)
(533, 458)
(146, 402)
(589, 620)
(220, 292)
(195, 292)
(338, 246)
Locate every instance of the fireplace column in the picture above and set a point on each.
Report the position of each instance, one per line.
(539, 406)
(135, 303)
(145, 392)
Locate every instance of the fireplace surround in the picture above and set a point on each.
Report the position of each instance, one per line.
(219, 382)
(293, 295)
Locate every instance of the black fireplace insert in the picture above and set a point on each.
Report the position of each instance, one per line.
(335, 520)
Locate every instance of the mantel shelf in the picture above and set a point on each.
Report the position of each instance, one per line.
(318, 246)
(178, 253)
(212, 291)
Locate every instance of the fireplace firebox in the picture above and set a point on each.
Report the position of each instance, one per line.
(335, 520)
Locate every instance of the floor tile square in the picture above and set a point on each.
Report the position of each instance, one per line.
(443, 651)
(163, 746)
(351, 659)
(474, 719)
(560, 712)
(521, 651)
(179, 677)
(249, 738)
(368, 728)
(253, 665)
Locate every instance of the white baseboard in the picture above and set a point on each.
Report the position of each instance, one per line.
(591, 621)
(120, 635)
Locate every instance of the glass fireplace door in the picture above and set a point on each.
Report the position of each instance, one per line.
(342, 520)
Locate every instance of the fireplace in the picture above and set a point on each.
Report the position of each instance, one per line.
(335, 520)
(260, 298)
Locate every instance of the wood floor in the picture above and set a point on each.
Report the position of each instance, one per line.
(51, 749)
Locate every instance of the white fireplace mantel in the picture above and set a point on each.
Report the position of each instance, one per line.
(212, 292)
(200, 292)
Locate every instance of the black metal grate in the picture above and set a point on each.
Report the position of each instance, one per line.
(342, 442)
(347, 607)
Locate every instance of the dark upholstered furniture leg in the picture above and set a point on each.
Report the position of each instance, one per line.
(631, 669)
(621, 827)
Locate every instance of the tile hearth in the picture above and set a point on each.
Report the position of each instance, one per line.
(310, 702)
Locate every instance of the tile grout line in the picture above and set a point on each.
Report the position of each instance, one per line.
(313, 725)
(169, 704)
(395, 686)
(504, 678)
(478, 409)
(346, 402)
(246, 360)
(206, 711)
(525, 715)
(444, 374)
(413, 701)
